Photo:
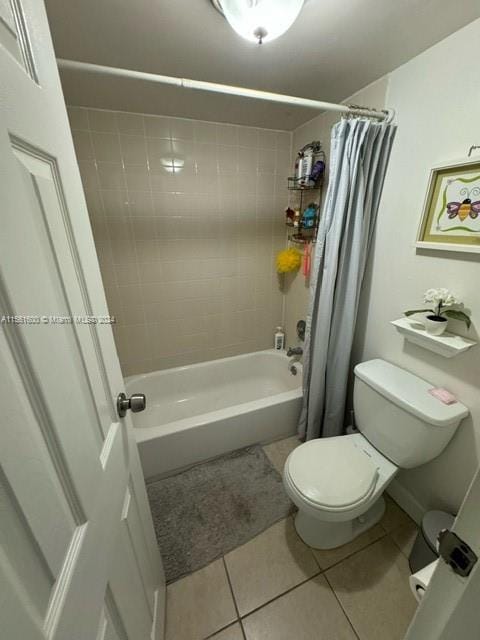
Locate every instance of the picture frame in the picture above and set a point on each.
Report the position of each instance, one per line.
(450, 218)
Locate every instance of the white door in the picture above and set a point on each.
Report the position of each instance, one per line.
(78, 557)
(450, 609)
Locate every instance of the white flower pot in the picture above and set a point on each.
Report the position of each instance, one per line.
(435, 325)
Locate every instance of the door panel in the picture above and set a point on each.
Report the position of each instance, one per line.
(30, 475)
(25, 560)
(14, 36)
(47, 188)
(127, 584)
(48, 353)
(78, 556)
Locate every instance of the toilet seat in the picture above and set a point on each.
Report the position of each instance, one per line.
(332, 474)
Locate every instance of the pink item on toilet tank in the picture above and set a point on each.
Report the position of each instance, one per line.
(443, 395)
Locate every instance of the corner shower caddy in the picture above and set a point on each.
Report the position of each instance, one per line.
(303, 235)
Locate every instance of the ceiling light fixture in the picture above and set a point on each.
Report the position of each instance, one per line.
(259, 20)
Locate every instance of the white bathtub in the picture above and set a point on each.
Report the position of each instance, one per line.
(204, 410)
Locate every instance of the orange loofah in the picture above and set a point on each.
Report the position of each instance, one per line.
(288, 260)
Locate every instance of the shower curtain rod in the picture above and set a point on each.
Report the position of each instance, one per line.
(213, 87)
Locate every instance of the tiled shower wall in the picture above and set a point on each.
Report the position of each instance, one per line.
(187, 217)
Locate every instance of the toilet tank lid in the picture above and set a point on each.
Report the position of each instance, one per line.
(409, 392)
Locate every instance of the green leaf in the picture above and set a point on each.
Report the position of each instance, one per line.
(410, 313)
(458, 315)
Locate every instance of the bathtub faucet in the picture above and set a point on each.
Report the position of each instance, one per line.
(294, 351)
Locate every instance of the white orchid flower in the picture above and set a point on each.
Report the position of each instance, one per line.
(441, 300)
(443, 296)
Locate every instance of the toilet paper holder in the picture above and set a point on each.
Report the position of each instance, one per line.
(456, 553)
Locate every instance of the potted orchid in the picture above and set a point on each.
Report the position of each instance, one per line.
(437, 317)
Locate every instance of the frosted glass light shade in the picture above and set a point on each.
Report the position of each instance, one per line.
(261, 20)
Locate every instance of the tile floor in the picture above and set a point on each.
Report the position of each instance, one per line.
(277, 588)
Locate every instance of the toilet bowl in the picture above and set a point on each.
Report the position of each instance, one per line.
(337, 483)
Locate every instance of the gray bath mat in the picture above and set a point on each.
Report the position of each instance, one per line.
(202, 513)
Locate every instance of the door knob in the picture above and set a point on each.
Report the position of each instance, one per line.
(137, 402)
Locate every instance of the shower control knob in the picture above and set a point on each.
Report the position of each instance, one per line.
(137, 402)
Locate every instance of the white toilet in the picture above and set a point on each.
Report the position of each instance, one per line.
(337, 483)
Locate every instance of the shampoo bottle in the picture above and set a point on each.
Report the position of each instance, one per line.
(279, 339)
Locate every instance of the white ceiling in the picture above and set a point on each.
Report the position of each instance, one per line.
(333, 49)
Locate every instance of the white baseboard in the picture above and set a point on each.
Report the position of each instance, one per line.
(158, 626)
(407, 501)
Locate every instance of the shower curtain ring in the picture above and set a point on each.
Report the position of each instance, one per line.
(390, 113)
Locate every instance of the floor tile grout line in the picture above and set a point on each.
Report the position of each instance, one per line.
(242, 628)
(341, 607)
(316, 561)
(227, 626)
(335, 564)
(292, 516)
(280, 595)
(233, 598)
(315, 575)
(405, 555)
(320, 571)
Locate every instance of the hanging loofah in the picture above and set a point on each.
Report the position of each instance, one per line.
(288, 260)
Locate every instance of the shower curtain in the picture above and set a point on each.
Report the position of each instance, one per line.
(360, 150)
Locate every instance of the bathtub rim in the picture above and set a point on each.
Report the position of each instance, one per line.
(144, 434)
(199, 365)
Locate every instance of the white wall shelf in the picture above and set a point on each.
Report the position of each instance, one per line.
(447, 345)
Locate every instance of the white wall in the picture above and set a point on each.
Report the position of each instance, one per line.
(436, 96)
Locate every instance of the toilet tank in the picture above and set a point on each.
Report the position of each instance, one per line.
(399, 417)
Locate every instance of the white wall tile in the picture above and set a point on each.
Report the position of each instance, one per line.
(106, 146)
(266, 185)
(187, 256)
(157, 127)
(205, 132)
(247, 159)
(227, 134)
(133, 149)
(247, 137)
(102, 121)
(110, 175)
(267, 139)
(115, 202)
(137, 178)
(88, 173)
(181, 129)
(159, 150)
(131, 123)
(94, 201)
(267, 160)
(246, 183)
(78, 117)
(82, 141)
(140, 203)
(284, 140)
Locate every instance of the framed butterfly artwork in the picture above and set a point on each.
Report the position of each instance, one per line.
(451, 213)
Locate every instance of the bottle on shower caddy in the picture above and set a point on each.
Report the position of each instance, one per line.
(306, 165)
(279, 339)
(309, 165)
